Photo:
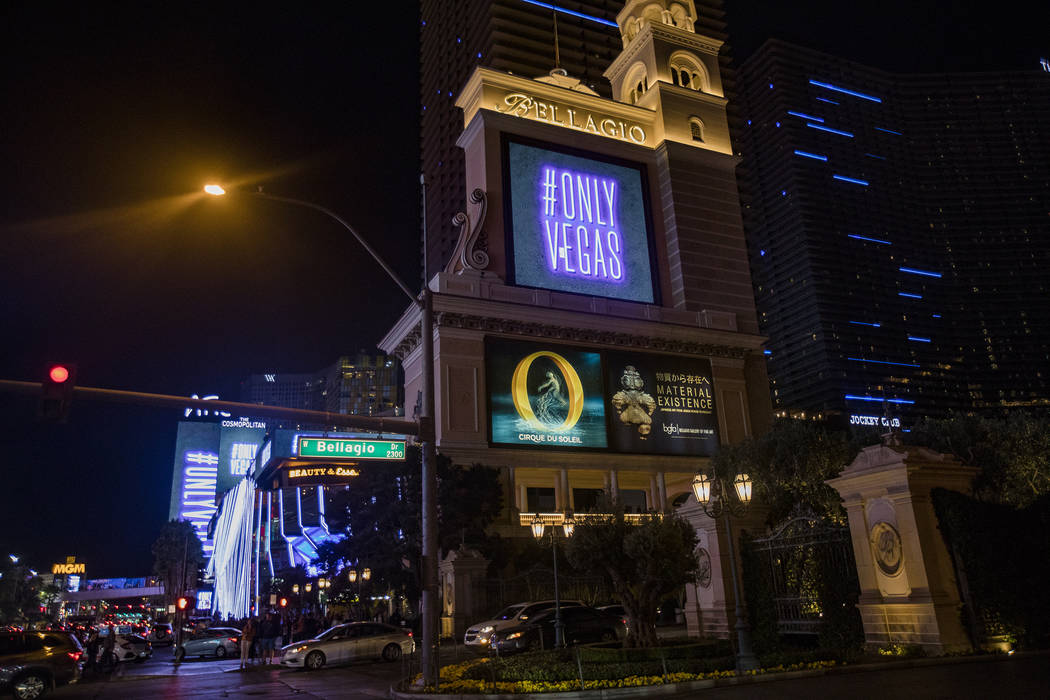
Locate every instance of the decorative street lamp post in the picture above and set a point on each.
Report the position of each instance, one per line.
(568, 525)
(714, 496)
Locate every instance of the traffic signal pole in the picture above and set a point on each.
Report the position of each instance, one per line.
(372, 423)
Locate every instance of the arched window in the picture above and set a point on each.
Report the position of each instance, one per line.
(636, 84)
(696, 128)
(688, 72)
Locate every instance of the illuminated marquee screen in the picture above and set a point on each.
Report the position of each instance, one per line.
(210, 459)
(578, 224)
(546, 395)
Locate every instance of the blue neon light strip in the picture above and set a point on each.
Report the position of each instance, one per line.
(844, 91)
(767, 352)
(854, 180)
(864, 323)
(851, 397)
(829, 129)
(548, 6)
(882, 362)
(872, 155)
(909, 295)
(824, 99)
(935, 315)
(924, 273)
(889, 131)
(814, 156)
(919, 339)
(806, 116)
(865, 238)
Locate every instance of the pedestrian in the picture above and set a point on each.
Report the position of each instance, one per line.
(299, 630)
(109, 659)
(268, 631)
(247, 637)
(92, 649)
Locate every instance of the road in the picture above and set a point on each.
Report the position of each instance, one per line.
(1022, 676)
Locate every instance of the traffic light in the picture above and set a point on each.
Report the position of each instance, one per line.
(186, 603)
(57, 392)
(284, 602)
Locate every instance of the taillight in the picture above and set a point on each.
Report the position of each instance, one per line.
(75, 655)
(233, 639)
(408, 633)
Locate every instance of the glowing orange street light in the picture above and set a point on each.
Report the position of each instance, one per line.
(216, 190)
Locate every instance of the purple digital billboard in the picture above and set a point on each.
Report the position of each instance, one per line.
(578, 224)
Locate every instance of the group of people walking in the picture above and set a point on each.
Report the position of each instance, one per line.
(262, 638)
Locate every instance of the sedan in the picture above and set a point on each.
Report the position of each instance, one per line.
(219, 642)
(349, 642)
(132, 647)
(581, 625)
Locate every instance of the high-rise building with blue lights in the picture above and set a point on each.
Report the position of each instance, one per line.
(898, 229)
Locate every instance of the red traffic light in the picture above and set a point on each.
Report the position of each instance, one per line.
(284, 602)
(58, 374)
(182, 603)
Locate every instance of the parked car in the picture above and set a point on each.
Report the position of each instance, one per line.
(349, 642)
(162, 634)
(478, 636)
(32, 663)
(617, 610)
(132, 647)
(581, 624)
(219, 642)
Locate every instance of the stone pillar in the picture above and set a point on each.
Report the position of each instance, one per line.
(462, 574)
(661, 491)
(562, 496)
(908, 591)
(710, 606)
(614, 485)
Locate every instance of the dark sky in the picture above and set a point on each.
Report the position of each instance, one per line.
(114, 116)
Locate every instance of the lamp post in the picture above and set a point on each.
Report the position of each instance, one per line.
(714, 496)
(322, 597)
(424, 431)
(568, 525)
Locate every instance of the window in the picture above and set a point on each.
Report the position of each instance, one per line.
(688, 72)
(540, 500)
(633, 500)
(10, 643)
(585, 500)
(696, 128)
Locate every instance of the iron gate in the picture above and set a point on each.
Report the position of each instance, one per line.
(801, 558)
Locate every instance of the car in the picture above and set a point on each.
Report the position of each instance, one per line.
(478, 636)
(219, 642)
(132, 647)
(617, 610)
(349, 642)
(581, 624)
(32, 663)
(162, 634)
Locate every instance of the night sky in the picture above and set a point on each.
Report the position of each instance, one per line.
(112, 119)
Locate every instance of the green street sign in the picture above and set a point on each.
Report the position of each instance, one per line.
(351, 449)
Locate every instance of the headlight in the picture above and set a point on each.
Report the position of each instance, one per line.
(486, 629)
(514, 635)
(297, 649)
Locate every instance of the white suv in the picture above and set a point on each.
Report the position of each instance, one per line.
(478, 636)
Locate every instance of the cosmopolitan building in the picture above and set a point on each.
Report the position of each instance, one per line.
(595, 325)
(897, 228)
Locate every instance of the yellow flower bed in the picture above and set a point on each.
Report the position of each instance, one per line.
(452, 681)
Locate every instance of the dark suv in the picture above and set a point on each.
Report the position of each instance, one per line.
(31, 663)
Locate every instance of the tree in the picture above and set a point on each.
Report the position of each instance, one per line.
(1012, 453)
(19, 588)
(177, 558)
(643, 564)
(790, 463)
(380, 517)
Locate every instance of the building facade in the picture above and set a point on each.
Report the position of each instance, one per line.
(595, 325)
(897, 229)
(513, 36)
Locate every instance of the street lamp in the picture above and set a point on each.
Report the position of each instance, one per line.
(568, 526)
(714, 497)
(424, 431)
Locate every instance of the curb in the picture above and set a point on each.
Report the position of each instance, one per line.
(689, 686)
